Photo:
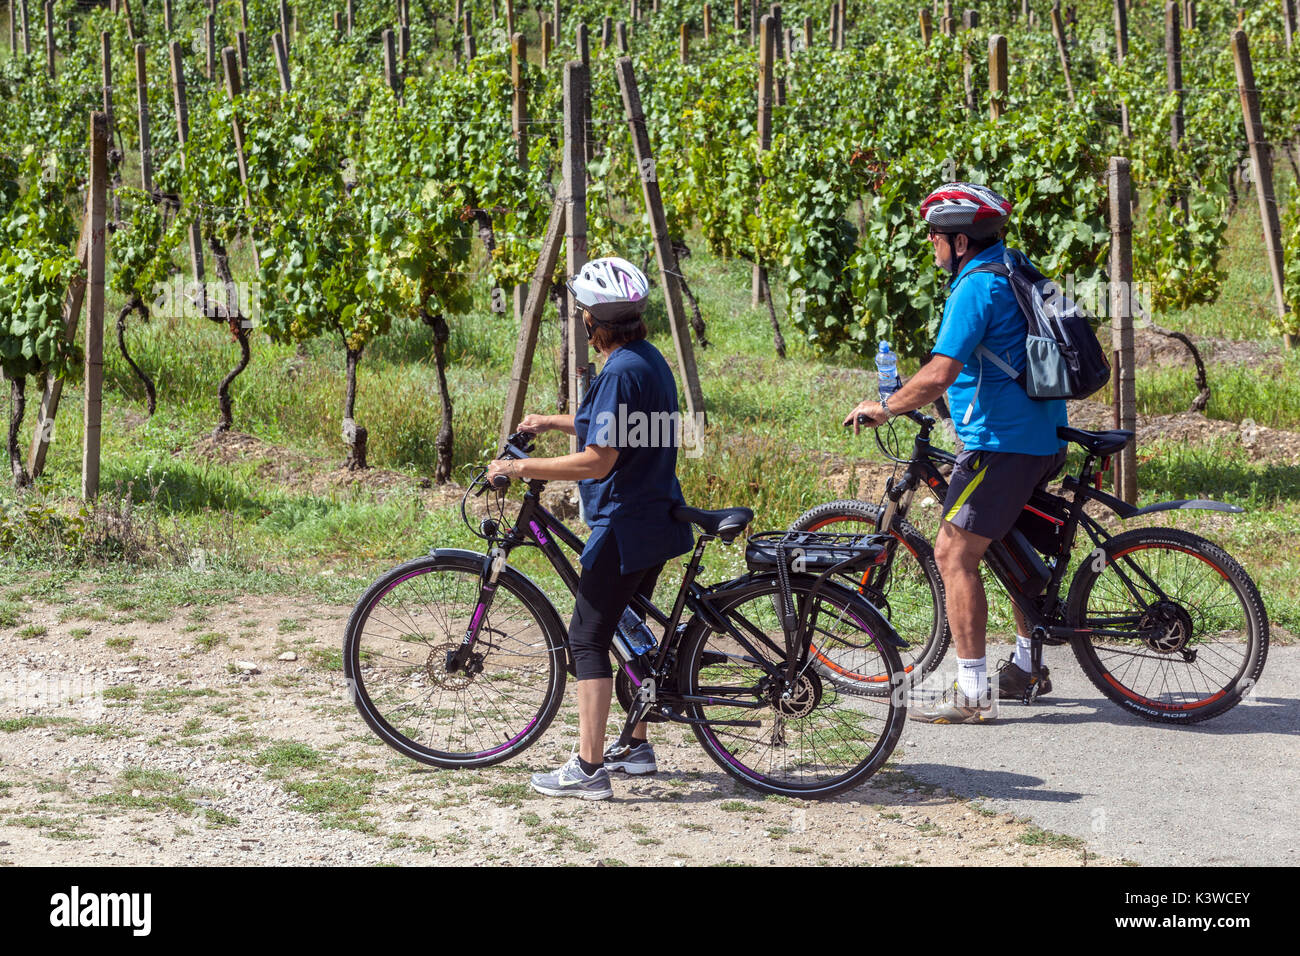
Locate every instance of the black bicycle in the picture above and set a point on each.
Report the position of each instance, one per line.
(458, 659)
(1164, 622)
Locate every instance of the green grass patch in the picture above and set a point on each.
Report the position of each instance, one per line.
(32, 630)
(1036, 836)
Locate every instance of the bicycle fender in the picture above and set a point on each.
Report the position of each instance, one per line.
(1200, 504)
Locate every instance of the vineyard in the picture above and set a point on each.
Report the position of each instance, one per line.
(272, 275)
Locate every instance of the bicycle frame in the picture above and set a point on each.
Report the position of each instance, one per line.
(536, 526)
(1042, 609)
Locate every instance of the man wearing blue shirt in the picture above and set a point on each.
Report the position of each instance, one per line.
(1010, 440)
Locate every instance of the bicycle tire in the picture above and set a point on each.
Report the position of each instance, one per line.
(913, 600)
(1211, 610)
(394, 660)
(827, 741)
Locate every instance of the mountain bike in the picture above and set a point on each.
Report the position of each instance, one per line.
(459, 659)
(1164, 622)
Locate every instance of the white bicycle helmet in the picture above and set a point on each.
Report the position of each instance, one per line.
(977, 211)
(612, 289)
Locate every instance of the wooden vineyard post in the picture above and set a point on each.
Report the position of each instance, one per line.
(168, 17)
(1174, 75)
(53, 391)
(281, 62)
(241, 44)
(667, 258)
(1026, 14)
(778, 51)
(1121, 51)
(839, 24)
(1189, 14)
(927, 26)
(49, 38)
(209, 46)
(546, 43)
(708, 23)
(556, 23)
(519, 125)
(606, 32)
(1121, 319)
(142, 111)
(284, 25)
(182, 135)
(584, 55)
(349, 12)
(684, 43)
(765, 51)
(997, 76)
(13, 35)
(531, 321)
(106, 58)
(27, 28)
(510, 18)
(234, 88)
(735, 20)
(807, 33)
(1288, 21)
(471, 46)
(519, 106)
(1058, 31)
(621, 32)
(1261, 161)
(94, 342)
(574, 190)
(390, 65)
(130, 21)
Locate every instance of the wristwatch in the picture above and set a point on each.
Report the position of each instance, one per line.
(884, 403)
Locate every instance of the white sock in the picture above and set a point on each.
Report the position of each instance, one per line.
(973, 677)
(1022, 658)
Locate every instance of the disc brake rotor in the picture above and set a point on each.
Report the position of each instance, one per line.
(1169, 625)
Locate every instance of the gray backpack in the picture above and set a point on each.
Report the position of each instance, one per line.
(1063, 358)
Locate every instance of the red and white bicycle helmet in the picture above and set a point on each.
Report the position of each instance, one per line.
(977, 211)
(611, 289)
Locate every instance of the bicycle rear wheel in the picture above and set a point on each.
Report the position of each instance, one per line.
(813, 738)
(395, 661)
(1200, 632)
(911, 596)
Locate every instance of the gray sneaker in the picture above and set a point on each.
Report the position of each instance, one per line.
(570, 781)
(954, 707)
(633, 760)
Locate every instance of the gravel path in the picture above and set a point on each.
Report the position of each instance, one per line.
(225, 737)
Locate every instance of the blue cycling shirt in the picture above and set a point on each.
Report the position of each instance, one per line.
(632, 406)
(982, 310)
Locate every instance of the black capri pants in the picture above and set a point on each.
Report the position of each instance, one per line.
(603, 593)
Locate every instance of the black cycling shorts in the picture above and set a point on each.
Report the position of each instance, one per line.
(989, 489)
(603, 593)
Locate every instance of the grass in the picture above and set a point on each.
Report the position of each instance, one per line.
(1036, 836)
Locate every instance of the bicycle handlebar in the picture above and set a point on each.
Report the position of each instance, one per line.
(517, 446)
(925, 421)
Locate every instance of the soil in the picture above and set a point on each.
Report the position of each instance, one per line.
(191, 741)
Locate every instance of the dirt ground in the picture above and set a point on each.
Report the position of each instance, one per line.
(225, 736)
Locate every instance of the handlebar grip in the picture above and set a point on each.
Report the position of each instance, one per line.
(500, 481)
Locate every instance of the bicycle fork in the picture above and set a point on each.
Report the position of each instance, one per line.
(463, 658)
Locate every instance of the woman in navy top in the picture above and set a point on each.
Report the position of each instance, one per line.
(627, 429)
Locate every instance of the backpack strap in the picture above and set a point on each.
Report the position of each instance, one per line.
(998, 269)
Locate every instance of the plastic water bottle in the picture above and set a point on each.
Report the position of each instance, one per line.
(639, 638)
(887, 371)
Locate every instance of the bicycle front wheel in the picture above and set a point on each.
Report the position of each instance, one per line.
(1199, 632)
(813, 739)
(395, 659)
(908, 591)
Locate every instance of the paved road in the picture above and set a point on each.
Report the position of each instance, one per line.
(1222, 793)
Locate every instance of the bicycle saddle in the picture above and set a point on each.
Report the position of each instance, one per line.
(1099, 443)
(726, 523)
